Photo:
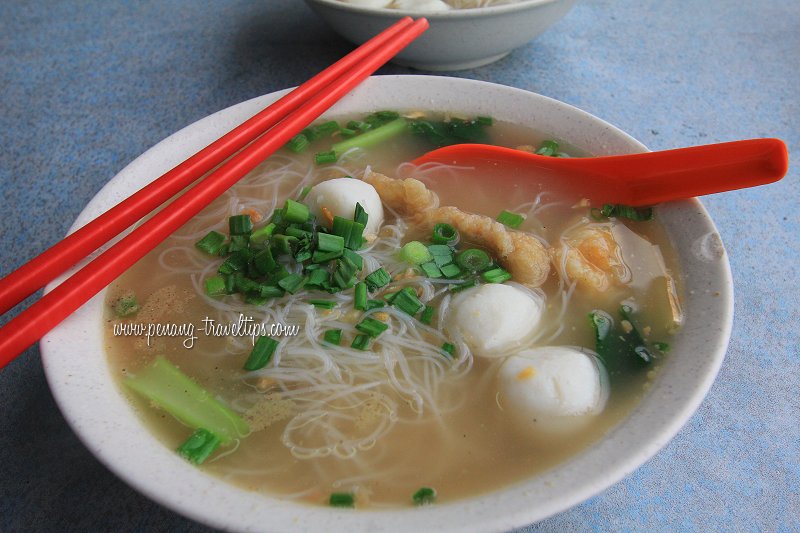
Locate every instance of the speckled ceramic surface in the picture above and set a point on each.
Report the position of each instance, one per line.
(81, 382)
(457, 39)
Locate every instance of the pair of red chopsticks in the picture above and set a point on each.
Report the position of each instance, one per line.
(268, 131)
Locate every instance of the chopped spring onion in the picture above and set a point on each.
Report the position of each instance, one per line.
(263, 234)
(379, 278)
(318, 277)
(215, 285)
(449, 349)
(342, 499)
(473, 260)
(303, 252)
(423, 496)
(230, 282)
(451, 271)
(440, 249)
(496, 275)
(330, 243)
(294, 231)
(295, 212)
(268, 291)
(323, 257)
(323, 304)
(406, 300)
(415, 253)
(166, 386)
(211, 243)
(246, 285)
(360, 296)
(354, 257)
(347, 132)
(322, 158)
(293, 282)
(240, 225)
(484, 121)
(548, 148)
(199, 446)
(444, 234)
(372, 137)
(253, 299)
(662, 347)
(333, 336)
(263, 262)
(442, 254)
(311, 134)
(298, 143)
(512, 220)
(372, 327)
(360, 215)
(327, 127)
(374, 304)
(344, 274)
(262, 353)
(358, 125)
(236, 262)
(126, 305)
(626, 211)
(431, 270)
(283, 243)
(381, 117)
(360, 342)
(427, 315)
(349, 230)
(238, 242)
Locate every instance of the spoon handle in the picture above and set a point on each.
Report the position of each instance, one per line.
(641, 179)
(654, 177)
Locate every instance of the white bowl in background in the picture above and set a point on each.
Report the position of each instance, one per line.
(457, 39)
(82, 384)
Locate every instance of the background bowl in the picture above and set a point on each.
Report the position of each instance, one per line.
(457, 39)
(81, 381)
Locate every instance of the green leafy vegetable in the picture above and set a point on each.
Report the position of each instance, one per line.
(170, 389)
(373, 137)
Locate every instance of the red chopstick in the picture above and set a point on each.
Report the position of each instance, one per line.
(35, 274)
(52, 308)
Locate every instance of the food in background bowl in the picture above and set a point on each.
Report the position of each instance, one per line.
(429, 5)
(457, 38)
(406, 335)
(110, 425)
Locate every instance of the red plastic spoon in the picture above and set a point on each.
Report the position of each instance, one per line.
(637, 179)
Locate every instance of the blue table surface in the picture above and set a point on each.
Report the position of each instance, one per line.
(88, 86)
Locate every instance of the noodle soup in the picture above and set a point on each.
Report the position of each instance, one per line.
(500, 380)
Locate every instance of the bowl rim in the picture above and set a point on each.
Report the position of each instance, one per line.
(467, 13)
(87, 399)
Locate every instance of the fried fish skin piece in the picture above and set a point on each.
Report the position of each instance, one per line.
(524, 256)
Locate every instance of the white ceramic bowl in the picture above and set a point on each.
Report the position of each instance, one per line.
(81, 381)
(457, 39)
